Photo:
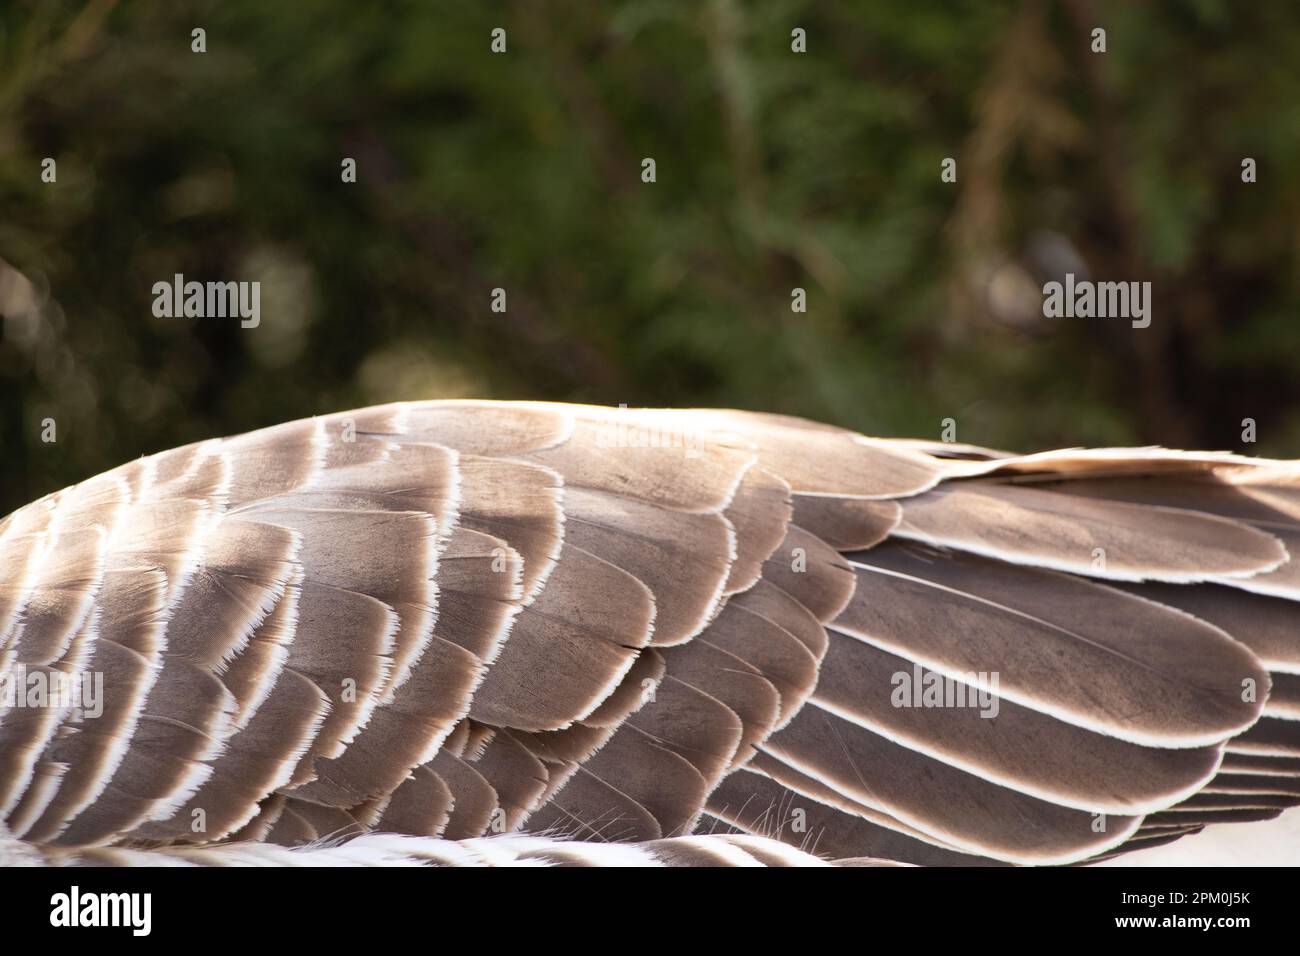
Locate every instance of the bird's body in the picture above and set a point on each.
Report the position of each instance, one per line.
(451, 621)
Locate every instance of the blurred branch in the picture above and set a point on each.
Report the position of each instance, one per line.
(1161, 419)
(85, 30)
(613, 160)
(1016, 105)
(39, 56)
(722, 29)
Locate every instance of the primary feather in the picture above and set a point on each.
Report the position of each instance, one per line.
(676, 637)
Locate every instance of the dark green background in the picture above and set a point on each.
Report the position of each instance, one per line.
(522, 170)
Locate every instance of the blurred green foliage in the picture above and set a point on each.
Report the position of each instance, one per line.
(522, 170)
